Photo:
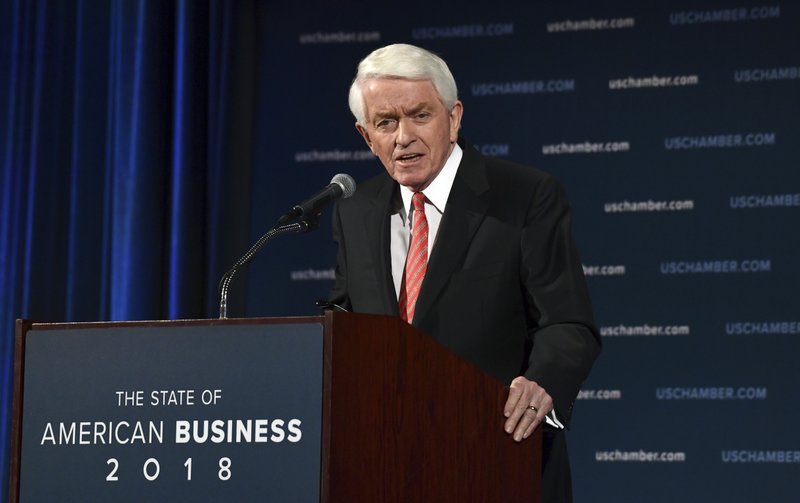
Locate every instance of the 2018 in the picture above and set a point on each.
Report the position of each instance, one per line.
(152, 469)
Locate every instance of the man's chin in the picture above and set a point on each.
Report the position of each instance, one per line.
(410, 178)
(412, 183)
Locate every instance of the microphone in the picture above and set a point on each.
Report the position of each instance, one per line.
(342, 186)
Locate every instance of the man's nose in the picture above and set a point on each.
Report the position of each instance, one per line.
(406, 133)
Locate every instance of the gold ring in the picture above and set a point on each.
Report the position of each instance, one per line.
(534, 409)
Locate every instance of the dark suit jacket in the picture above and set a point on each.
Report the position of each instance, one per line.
(504, 287)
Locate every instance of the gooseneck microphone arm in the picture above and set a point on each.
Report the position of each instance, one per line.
(306, 225)
(342, 186)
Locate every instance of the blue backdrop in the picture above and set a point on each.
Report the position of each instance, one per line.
(145, 146)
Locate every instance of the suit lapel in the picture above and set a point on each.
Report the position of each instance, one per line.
(465, 210)
(376, 226)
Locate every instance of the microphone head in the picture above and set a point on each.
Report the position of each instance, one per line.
(347, 184)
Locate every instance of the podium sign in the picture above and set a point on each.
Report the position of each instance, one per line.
(161, 412)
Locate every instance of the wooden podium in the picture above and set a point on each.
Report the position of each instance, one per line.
(398, 417)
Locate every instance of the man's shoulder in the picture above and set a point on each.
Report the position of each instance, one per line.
(369, 191)
(515, 171)
(504, 174)
(375, 184)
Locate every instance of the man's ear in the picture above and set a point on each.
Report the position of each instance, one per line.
(455, 120)
(364, 134)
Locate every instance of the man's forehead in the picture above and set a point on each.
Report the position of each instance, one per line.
(390, 107)
(393, 93)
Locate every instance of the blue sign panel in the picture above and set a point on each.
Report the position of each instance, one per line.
(181, 413)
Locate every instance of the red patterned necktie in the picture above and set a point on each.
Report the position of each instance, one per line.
(416, 260)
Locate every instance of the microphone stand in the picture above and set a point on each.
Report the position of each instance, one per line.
(308, 224)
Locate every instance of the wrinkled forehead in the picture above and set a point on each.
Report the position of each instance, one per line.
(399, 93)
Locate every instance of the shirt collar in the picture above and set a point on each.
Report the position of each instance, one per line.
(439, 190)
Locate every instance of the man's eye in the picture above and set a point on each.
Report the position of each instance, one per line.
(423, 115)
(385, 123)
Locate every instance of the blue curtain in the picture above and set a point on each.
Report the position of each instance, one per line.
(126, 132)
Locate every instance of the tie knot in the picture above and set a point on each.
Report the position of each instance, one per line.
(418, 201)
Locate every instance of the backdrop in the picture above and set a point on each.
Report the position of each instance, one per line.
(145, 145)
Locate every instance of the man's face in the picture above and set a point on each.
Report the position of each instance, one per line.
(409, 129)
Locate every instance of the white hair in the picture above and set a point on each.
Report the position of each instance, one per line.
(402, 61)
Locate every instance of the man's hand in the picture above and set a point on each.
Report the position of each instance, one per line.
(527, 405)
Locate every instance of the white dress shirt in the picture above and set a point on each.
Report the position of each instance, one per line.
(436, 195)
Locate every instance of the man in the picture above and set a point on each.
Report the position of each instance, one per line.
(474, 252)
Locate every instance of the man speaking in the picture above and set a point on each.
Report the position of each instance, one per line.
(473, 251)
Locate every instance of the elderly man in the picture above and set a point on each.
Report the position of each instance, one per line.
(475, 252)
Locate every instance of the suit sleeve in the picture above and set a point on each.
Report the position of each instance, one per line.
(564, 340)
(338, 295)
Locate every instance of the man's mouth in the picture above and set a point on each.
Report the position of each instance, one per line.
(408, 157)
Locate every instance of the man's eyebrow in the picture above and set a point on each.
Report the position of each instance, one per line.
(383, 114)
(419, 108)
(403, 111)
